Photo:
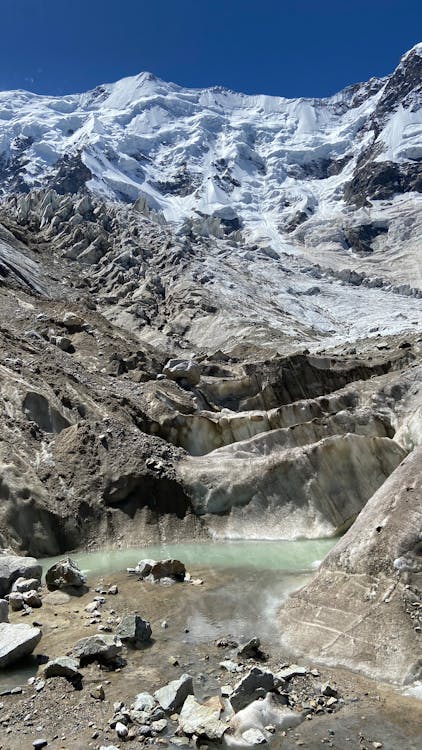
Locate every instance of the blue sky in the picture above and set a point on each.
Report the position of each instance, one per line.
(284, 47)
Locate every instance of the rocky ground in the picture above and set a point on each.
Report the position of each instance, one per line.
(351, 712)
(158, 384)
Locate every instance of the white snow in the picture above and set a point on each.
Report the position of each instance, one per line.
(256, 154)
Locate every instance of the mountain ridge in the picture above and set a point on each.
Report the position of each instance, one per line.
(266, 163)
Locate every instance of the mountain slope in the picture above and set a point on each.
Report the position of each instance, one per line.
(263, 162)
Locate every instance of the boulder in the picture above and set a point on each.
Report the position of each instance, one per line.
(16, 601)
(17, 641)
(71, 320)
(251, 649)
(13, 567)
(121, 730)
(4, 610)
(293, 670)
(26, 584)
(102, 648)
(172, 696)
(144, 702)
(143, 568)
(134, 630)
(32, 599)
(201, 719)
(168, 569)
(63, 574)
(253, 685)
(63, 666)
(183, 369)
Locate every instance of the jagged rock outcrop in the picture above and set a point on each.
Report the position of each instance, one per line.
(363, 609)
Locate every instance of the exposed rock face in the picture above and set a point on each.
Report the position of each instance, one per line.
(364, 607)
(17, 641)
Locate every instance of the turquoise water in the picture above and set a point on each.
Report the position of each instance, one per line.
(289, 556)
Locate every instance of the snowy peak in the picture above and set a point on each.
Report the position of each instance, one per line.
(261, 163)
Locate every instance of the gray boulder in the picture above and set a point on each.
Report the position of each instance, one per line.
(4, 610)
(251, 649)
(13, 567)
(16, 601)
(17, 641)
(256, 684)
(172, 696)
(201, 719)
(183, 369)
(63, 574)
(102, 648)
(134, 630)
(25, 584)
(63, 666)
(144, 702)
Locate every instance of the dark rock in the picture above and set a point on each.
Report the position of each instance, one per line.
(134, 630)
(4, 610)
(252, 686)
(63, 574)
(168, 569)
(359, 238)
(71, 175)
(251, 650)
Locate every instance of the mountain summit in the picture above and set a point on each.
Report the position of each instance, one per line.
(267, 163)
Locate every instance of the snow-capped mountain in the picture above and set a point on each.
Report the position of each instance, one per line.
(265, 163)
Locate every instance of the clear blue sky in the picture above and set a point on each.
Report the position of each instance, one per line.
(284, 47)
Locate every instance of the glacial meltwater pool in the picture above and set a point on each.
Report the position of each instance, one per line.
(245, 582)
(285, 556)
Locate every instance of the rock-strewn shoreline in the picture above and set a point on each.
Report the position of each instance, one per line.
(170, 689)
